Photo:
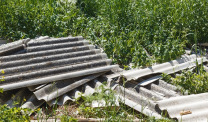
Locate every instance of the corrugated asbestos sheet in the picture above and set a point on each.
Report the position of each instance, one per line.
(57, 70)
(144, 89)
(47, 68)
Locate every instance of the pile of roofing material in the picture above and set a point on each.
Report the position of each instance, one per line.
(46, 68)
(147, 93)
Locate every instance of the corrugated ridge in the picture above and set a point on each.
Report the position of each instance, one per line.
(45, 53)
(52, 64)
(54, 41)
(58, 70)
(57, 46)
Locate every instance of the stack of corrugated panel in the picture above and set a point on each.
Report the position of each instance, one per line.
(66, 62)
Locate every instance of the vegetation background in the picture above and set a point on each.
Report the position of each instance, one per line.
(140, 32)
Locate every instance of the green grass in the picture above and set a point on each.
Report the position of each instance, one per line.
(126, 29)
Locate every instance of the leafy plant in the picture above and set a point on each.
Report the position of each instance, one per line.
(66, 118)
(110, 111)
(14, 114)
(191, 82)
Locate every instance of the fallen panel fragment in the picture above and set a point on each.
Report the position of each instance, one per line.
(186, 108)
(169, 67)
